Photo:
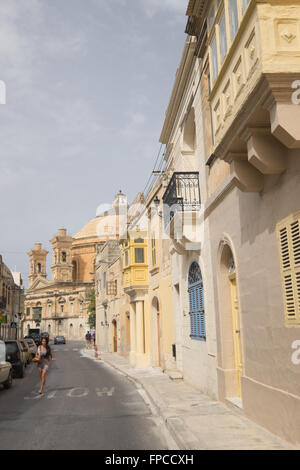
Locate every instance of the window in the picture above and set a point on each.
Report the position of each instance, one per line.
(111, 287)
(211, 17)
(288, 234)
(28, 311)
(196, 303)
(225, 31)
(223, 37)
(62, 309)
(104, 280)
(64, 256)
(72, 307)
(139, 255)
(138, 240)
(49, 308)
(126, 258)
(153, 246)
(214, 55)
(245, 4)
(234, 18)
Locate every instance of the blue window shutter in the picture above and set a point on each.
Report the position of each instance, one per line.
(197, 311)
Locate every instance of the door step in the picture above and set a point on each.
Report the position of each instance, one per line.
(235, 404)
(174, 375)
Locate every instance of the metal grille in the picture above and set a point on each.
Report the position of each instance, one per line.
(182, 194)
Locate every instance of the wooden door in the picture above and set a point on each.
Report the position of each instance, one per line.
(236, 333)
(158, 339)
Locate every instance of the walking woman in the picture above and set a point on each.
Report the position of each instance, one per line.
(43, 356)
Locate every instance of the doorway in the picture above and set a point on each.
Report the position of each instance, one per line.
(157, 321)
(115, 338)
(236, 332)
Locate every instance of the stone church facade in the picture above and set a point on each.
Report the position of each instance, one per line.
(59, 306)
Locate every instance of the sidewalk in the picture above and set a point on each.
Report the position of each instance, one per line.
(194, 420)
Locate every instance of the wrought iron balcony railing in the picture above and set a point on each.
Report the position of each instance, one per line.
(182, 194)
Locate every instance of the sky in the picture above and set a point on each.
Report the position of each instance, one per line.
(87, 86)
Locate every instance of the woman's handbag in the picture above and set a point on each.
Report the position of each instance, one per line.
(36, 358)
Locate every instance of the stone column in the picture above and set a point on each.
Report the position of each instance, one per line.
(132, 333)
(140, 334)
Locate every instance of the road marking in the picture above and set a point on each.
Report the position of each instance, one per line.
(75, 349)
(77, 392)
(78, 395)
(105, 392)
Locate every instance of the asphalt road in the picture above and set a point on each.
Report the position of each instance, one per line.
(85, 405)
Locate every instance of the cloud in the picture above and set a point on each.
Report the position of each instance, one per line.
(152, 7)
(133, 128)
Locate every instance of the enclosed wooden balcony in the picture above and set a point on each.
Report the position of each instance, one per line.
(254, 54)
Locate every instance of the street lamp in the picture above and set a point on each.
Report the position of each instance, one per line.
(157, 204)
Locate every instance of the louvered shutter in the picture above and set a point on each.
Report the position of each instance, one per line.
(197, 312)
(288, 232)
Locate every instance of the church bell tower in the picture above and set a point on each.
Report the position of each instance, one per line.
(62, 256)
(37, 260)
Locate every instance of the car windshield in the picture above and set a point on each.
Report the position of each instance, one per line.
(11, 347)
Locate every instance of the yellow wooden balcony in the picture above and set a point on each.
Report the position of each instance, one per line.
(254, 51)
(135, 260)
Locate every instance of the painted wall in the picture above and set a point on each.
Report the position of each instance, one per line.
(270, 381)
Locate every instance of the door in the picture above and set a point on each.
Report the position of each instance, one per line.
(236, 333)
(158, 338)
(115, 337)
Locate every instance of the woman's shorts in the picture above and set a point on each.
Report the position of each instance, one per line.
(43, 366)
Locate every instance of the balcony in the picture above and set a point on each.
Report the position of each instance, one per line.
(182, 195)
(253, 72)
(182, 212)
(2, 302)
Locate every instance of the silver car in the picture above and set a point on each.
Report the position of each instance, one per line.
(5, 367)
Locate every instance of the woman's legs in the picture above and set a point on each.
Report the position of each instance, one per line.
(43, 380)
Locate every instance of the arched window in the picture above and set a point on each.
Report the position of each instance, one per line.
(196, 303)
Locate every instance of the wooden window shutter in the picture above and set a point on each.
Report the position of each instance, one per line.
(288, 233)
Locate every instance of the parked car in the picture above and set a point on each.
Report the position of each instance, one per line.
(32, 346)
(15, 354)
(36, 338)
(59, 340)
(27, 351)
(5, 367)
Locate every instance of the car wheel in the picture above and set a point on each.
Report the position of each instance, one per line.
(8, 383)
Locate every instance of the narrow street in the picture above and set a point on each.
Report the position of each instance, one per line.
(84, 406)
